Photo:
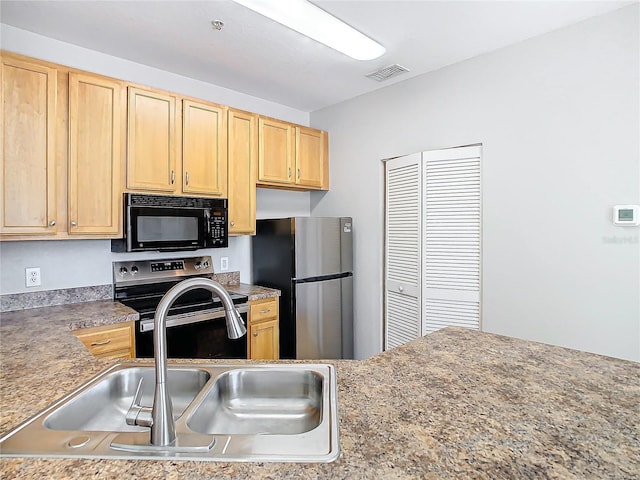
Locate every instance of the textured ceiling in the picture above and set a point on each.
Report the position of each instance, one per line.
(259, 57)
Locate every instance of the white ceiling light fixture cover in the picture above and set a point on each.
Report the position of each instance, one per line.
(315, 23)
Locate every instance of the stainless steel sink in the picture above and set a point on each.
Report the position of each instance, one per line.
(274, 412)
(102, 405)
(260, 402)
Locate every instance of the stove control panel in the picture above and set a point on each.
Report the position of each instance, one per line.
(143, 271)
(168, 266)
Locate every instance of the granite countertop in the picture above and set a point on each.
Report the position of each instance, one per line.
(454, 404)
(254, 292)
(108, 312)
(73, 315)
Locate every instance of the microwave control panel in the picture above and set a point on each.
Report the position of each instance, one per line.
(218, 228)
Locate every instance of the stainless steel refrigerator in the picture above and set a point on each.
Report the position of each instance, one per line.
(310, 260)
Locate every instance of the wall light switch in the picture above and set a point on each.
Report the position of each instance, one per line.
(32, 277)
(224, 264)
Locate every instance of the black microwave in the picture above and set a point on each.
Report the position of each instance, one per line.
(168, 223)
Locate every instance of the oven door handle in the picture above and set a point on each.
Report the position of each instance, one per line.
(185, 319)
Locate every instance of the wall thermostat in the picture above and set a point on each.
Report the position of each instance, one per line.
(626, 215)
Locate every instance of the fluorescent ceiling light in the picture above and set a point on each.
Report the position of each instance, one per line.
(315, 23)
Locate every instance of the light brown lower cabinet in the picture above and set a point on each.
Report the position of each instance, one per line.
(263, 331)
(109, 341)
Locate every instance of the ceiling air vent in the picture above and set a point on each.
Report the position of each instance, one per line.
(387, 72)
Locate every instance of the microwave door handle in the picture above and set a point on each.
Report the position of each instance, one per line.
(207, 216)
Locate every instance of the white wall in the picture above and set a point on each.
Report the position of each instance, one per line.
(559, 120)
(79, 263)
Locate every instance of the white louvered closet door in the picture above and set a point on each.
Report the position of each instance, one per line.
(451, 237)
(402, 250)
(432, 243)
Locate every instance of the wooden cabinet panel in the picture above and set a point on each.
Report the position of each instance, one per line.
(151, 156)
(292, 156)
(95, 155)
(275, 151)
(263, 331)
(264, 339)
(309, 157)
(204, 149)
(264, 310)
(242, 155)
(109, 341)
(27, 172)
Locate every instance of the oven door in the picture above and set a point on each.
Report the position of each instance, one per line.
(166, 228)
(194, 336)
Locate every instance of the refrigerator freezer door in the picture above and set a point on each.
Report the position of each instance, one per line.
(319, 245)
(319, 320)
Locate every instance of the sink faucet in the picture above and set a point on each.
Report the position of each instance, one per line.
(160, 416)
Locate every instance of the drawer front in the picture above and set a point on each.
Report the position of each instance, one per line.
(104, 343)
(264, 310)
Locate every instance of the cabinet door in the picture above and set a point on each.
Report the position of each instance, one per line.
(242, 154)
(204, 149)
(151, 158)
(309, 157)
(27, 170)
(275, 151)
(264, 340)
(95, 155)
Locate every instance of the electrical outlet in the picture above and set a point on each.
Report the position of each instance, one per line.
(32, 277)
(224, 264)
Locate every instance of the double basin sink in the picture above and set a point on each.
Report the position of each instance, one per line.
(273, 412)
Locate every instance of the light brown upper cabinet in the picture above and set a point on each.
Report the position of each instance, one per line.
(275, 151)
(170, 138)
(96, 124)
(311, 163)
(204, 149)
(243, 158)
(151, 141)
(292, 156)
(71, 142)
(62, 152)
(28, 164)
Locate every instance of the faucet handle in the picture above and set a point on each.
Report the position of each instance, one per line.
(137, 414)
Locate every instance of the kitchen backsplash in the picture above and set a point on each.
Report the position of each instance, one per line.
(47, 298)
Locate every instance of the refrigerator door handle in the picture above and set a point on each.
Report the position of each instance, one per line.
(322, 278)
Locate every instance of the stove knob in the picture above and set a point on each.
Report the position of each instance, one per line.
(134, 270)
(198, 265)
(206, 264)
(123, 271)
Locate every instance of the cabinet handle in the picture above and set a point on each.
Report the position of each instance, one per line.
(289, 172)
(52, 223)
(255, 334)
(298, 173)
(73, 223)
(173, 177)
(101, 342)
(401, 289)
(262, 312)
(233, 224)
(187, 177)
